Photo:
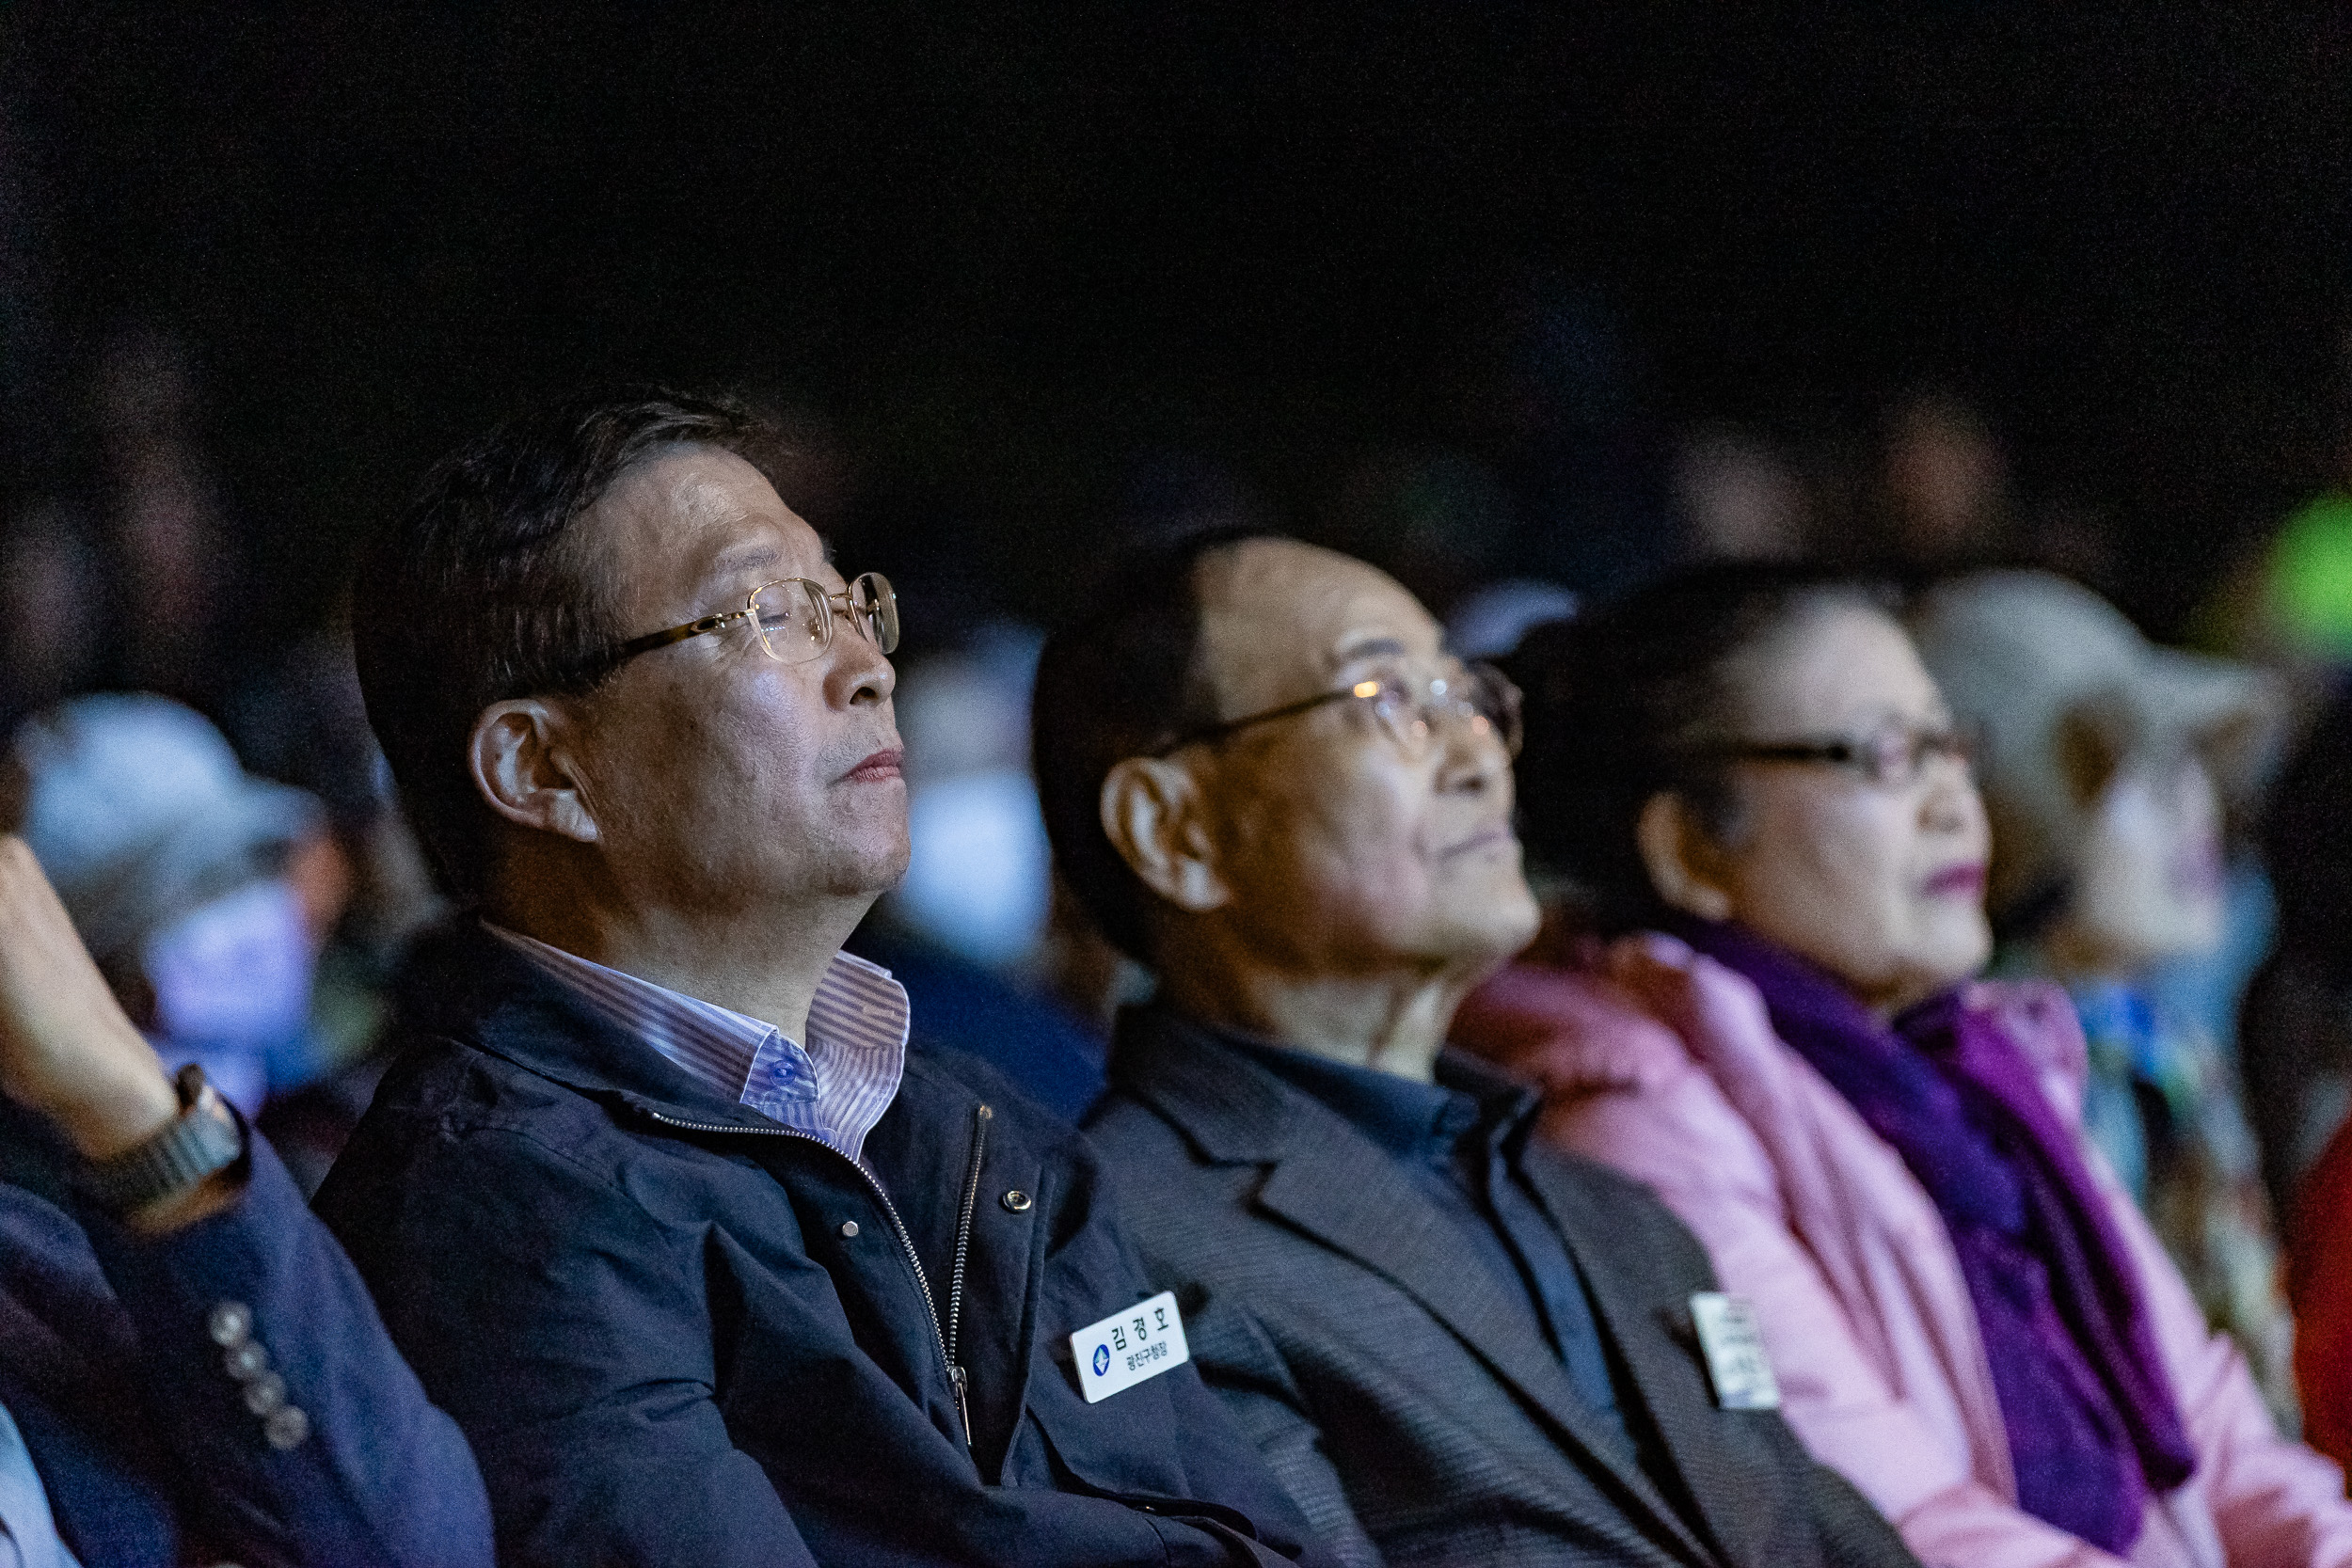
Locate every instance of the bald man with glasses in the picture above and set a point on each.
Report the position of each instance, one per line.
(1271, 784)
(710, 1267)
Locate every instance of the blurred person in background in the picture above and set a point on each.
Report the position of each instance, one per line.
(175, 560)
(977, 881)
(1737, 497)
(52, 600)
(1275, 789)
(2107, 765)
(1943, 497)
(300, 719)
(1768, 861)
(969, 929)
(189, 1368)
(1489, 621)
(205, 894)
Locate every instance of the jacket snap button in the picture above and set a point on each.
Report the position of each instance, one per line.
(1016, 1200)
(849, 1228)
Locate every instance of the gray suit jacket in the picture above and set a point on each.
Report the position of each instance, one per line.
(1372, 1354)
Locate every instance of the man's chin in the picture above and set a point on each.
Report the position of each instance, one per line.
(1484, 936)
(870, 875)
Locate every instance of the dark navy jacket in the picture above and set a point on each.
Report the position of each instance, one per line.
(150, 1455)
(678, 1334)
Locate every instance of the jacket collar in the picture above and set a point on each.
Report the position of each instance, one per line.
(1335, 1184)
(467, 985)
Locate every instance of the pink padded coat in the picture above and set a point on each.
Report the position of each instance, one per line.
(1664, 1064)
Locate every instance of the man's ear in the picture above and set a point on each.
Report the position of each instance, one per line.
(523, 767)
(1153, 813)
(1681, 858)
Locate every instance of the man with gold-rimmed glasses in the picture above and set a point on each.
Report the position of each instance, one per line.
(710, 1267)
(1272, 786)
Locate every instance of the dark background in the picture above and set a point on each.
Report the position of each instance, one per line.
(1015, 265)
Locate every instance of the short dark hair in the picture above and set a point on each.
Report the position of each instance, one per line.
(1121, 683)
(482, 589)
(1613, 701)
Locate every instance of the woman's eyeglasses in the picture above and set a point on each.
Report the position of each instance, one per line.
(1892, 755)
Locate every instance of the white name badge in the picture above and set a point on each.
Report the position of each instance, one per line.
(1127, 1347)
(1736, 1362)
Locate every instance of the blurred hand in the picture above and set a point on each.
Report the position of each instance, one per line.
(67, 1051)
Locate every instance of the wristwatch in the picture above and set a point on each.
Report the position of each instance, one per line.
(204, 1139)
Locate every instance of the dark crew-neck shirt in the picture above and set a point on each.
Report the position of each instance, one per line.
(1459, 1140)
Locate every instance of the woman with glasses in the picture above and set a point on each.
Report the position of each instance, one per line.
(1756, 994)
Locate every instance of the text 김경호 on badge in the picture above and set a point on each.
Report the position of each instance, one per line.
(1734, 1346)
(1127, 1347)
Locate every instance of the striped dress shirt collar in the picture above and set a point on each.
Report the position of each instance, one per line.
(835, 1089)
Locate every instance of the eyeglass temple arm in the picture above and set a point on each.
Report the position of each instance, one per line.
(653, 640)
(1230, 726)
(1788, 751)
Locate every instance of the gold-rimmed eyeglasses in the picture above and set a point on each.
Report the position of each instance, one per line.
(1408, 708)
(793, 617)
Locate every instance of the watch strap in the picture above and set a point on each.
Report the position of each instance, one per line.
(203, 1139)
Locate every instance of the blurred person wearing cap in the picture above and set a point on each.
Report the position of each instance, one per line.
(205, 892)
(1274, 788)
(2108, 767)
(711, 1267)
(189, 1368)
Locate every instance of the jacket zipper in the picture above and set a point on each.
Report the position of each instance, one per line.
(922, 1280)
(980, 1118)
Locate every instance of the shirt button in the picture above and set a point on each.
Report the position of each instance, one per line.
(849, 1228)
(286, 1428)
(244, 1362)
(1016, 1200)
(231, 1325)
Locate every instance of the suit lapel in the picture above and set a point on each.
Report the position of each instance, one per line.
(1644, 1328)
(1334, 1184)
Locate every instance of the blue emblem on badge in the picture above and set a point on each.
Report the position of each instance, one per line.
(1102, 1359)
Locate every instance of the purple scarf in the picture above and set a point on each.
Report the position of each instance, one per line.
(2092, 1418)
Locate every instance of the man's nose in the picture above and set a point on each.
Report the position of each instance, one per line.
(1471, 757)
(859, 672)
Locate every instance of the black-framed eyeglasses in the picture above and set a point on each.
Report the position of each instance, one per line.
(1892, 755)
(1408, 709)
(793, 617)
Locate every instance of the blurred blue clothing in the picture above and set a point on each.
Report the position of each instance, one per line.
(28, 1532)
(2207, 988)
(958, 1005)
